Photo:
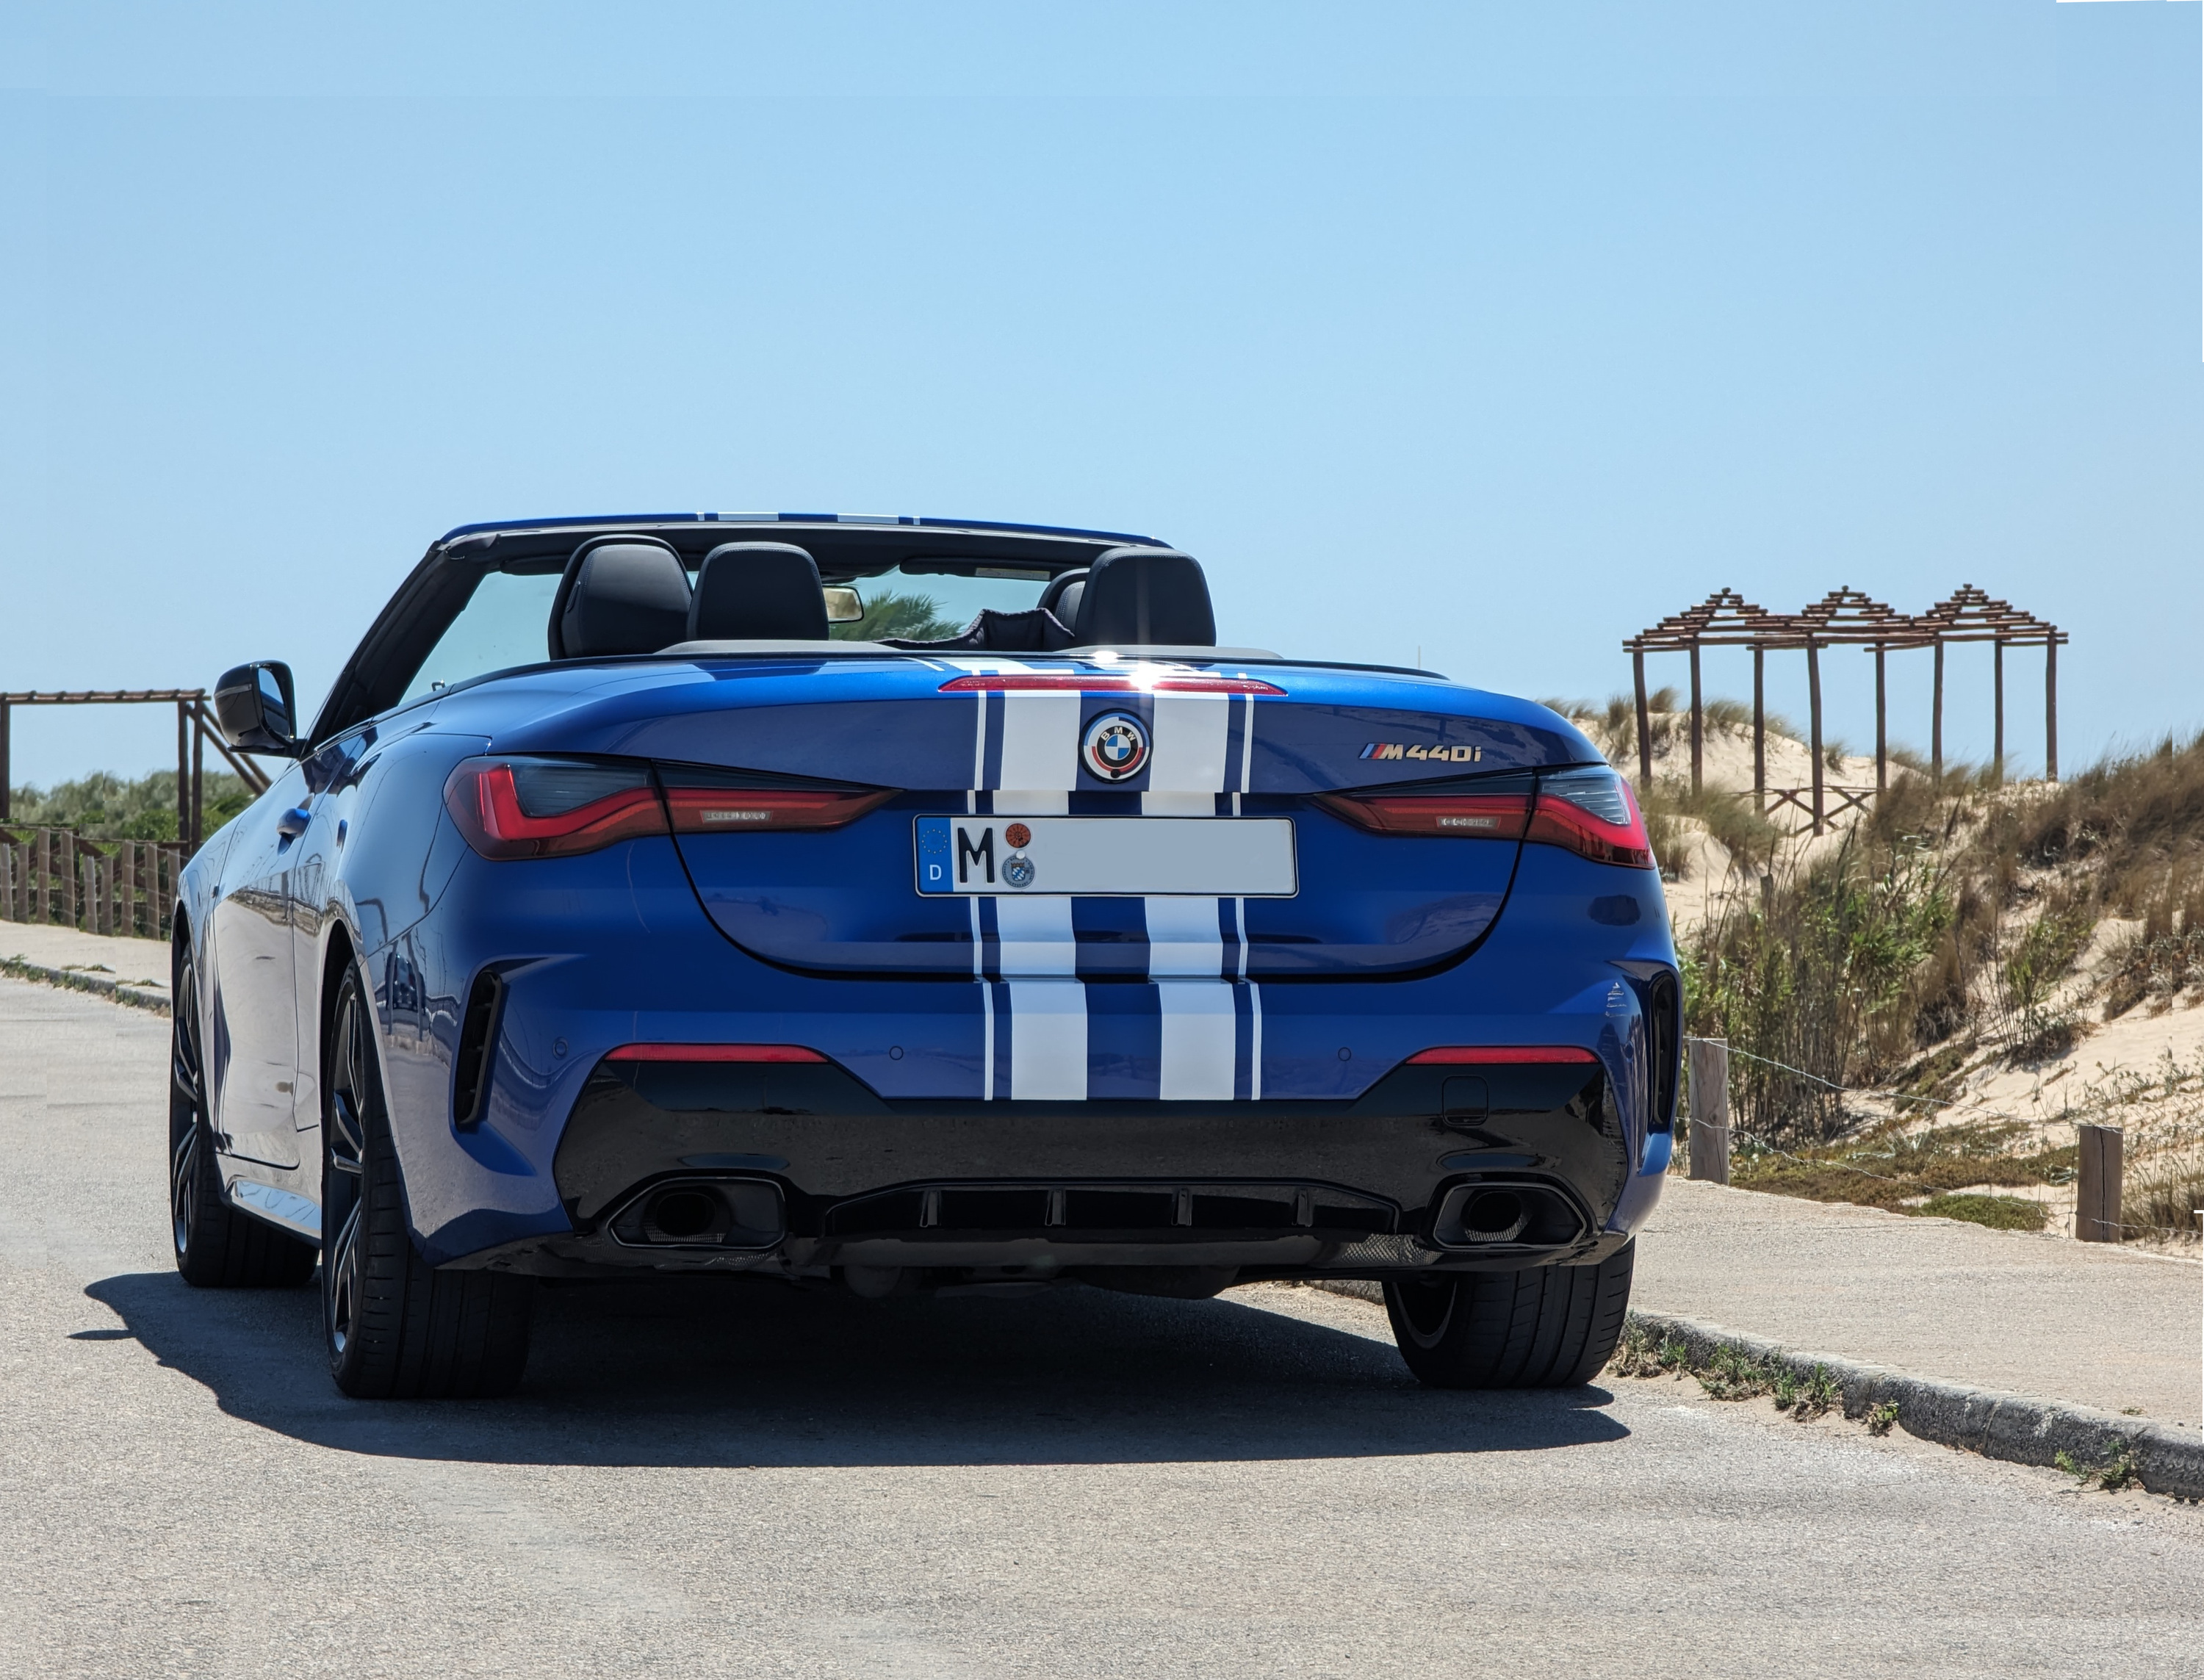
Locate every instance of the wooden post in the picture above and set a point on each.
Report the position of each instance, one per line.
(1997, 690)
(42, 843)
(1710, 1134)
(6, 769)
(1881, 728)
(198, 784)
(125, 909)
(72, 890)
(1759, 728)
(183, 773)
(2050, 706)
(1644, 727)
(1813, 728)
(1936, 723)
(2097, 1186)
(1698, 728)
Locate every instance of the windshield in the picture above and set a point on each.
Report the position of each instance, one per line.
(506, 622)
(925, 606)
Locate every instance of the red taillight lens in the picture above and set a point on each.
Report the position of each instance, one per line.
(739, 810)
(1100, 683)
(1486, 1055)
(1459, 816)
(713, 1053)
(521, 807)
(1593, 813)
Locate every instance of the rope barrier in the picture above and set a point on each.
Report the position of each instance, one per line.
(1762, 1143)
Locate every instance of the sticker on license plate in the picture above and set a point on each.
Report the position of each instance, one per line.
(1216, 857)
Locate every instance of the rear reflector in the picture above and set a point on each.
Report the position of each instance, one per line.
(713, 1053)
(1095, 683)
(1481, 1056)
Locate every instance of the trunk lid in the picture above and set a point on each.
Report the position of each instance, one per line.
(1225, 864)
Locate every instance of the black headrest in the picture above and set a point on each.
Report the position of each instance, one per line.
(1062, 595)
(620, 594)
(758, 592)
(1154, 596)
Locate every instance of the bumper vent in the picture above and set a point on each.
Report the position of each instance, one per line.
(1664, 1049)
(1093, 1212)
(478, 1038)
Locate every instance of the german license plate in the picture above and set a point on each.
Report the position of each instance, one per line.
(1217, 857)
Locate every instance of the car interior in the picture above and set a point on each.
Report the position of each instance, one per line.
(626, 593)
(504, 597)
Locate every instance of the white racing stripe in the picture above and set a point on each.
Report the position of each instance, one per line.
(1183, 939)
(1036, 938)
(1041, 741)
(1032, 802)
(1198, 1050)
(1178, 804)
(1048, 1040)
(1190, 738)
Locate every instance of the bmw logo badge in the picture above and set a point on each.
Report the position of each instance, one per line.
(1116, 748)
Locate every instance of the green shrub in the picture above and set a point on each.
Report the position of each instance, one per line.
(2000, 1213)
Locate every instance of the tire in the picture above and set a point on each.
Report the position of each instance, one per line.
(395, 1327)
(216, 1245)
(1547, 1327)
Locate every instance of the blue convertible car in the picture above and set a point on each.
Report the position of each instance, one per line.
(907, 903)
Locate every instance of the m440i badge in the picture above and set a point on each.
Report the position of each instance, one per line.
(1402, 749)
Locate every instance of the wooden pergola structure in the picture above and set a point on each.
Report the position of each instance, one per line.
(195, 727)
(1843, 617)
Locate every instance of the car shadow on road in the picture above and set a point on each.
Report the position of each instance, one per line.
(731, 1371)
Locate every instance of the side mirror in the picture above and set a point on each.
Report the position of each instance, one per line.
(257, 708)
(844, 606)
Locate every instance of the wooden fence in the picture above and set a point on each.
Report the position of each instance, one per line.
(55, 876)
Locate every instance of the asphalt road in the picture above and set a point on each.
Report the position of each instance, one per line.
(746, 1480)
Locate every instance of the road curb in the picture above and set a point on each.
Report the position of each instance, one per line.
(2019, 1429)
(119, 991)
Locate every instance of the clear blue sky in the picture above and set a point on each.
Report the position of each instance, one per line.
(1493, 331)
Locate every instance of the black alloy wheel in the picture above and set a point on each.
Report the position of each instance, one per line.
(1545, 1326)
(396, 1327)
(216, 1246)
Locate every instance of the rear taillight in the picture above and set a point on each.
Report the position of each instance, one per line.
(706, 802)
(1591, 812)
(1460, 816)
(516, 807)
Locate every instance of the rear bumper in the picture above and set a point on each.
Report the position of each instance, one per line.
(1371, 1187)
(595, 957)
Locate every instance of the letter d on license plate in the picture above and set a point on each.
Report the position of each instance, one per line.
(1100, 857)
